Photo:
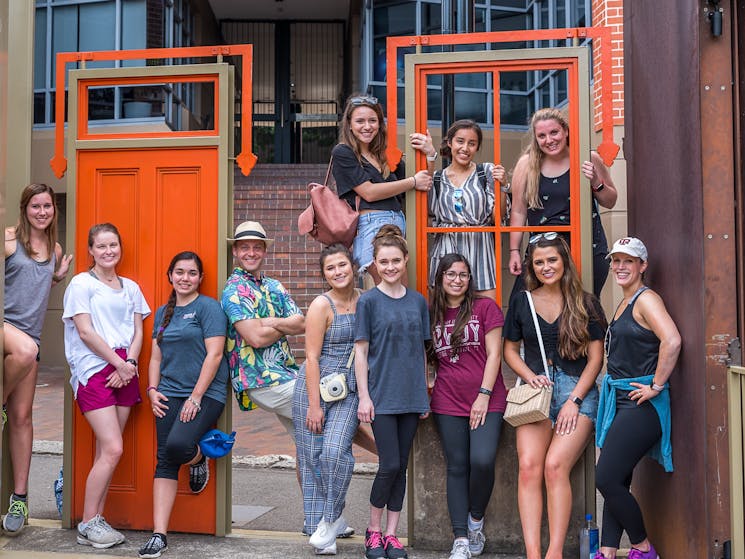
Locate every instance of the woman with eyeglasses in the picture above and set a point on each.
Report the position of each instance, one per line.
(642, 345)
(463, 195)
(361, 170)
(572, 325)
(468, 398)
(540, 191)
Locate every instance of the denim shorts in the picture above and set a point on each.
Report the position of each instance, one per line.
(367, 227)
(563, 385)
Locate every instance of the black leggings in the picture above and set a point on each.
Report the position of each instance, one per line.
(633, 432)
(470, 455)
(394, 435)
(177, 441)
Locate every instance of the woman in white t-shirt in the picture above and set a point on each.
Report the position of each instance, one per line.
(103, 315)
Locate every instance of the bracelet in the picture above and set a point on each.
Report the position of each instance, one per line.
(133, 361)
(149, 388)
(486, 391)
(598, 188)
(517, 249)
(506, 187)
(414, 177)
(196, 404)
(431, 158)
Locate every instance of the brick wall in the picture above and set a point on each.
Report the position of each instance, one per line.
(609, 13)
(274, 195)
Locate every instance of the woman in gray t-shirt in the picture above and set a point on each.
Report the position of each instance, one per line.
(391, 327)
(33, 263)
(187, 387)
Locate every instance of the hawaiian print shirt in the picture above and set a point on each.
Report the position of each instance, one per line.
(245, 297)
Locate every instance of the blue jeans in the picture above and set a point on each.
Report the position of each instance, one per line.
(367, 227)
(563, 386)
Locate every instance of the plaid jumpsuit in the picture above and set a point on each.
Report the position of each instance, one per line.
(325, 461)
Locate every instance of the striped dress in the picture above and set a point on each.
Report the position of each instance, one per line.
(469, 204)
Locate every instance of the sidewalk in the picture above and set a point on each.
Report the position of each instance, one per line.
(267, 505)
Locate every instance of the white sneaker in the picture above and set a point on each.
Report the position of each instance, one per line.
(460, 550)
(98, 533)
(476, 541)
(330, 550)
(327, 532)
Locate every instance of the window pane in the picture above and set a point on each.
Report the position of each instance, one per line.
(395, 20)
(579, 18)
(98, 30)
(101, 103)
(513, 81)
(434, 104)
(514, 109)
(508, 21)
(431, 19)
(40, 49)
(512, 3)
(472, 80)
(39, 103)
(64, 33)
(134, 31)
(143, 101)
(470, 105)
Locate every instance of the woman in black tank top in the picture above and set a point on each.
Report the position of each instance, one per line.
(642, 344)
(540, 190)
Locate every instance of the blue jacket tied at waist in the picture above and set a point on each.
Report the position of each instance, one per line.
(662, 451)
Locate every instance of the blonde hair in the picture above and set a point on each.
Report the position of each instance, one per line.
(535, 155)
(389, 236)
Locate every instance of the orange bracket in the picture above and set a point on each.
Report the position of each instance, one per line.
(246, 159)
(607, 149)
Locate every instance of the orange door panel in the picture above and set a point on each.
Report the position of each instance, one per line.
(163, 201)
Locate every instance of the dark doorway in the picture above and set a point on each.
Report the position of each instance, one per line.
(298, 80)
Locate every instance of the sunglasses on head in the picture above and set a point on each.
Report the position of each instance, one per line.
(550, 236)
(363, 100)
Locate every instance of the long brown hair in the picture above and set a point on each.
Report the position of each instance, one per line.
(578, 307)
(171, 304)
(440, 304)
(23, 229)
(463, 124)
(379, 142)
(535, 155)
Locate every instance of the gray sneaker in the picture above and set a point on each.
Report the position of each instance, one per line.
(16, 517)
(98, 533)
(460, 550)
(476, 541)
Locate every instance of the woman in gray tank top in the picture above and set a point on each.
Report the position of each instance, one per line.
(33, 263)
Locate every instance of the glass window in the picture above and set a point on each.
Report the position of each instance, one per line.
(471, 105)
(508, 21)
(97, 30)
(40, 49)
(64, 33)
(134, 33)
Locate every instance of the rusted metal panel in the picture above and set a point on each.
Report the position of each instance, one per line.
(680, 152)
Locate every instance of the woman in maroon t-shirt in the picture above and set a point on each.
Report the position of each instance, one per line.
(469, 397)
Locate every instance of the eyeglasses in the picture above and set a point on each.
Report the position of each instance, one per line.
(452, 275)
(363, 100)
(550, 236)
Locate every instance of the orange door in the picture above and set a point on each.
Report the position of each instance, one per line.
(162, 201)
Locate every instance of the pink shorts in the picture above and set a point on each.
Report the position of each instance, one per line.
(96, 395)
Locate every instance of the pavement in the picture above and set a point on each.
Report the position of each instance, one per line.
(267, 504)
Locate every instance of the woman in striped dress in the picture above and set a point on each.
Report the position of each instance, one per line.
(463, 195)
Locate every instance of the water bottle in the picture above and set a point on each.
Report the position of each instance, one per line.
(588, 538)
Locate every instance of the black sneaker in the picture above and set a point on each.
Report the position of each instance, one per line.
(199, 475)
(393, 548)
(154, 546)
(374, 545)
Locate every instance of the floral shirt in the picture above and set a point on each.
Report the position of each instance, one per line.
(245, 297)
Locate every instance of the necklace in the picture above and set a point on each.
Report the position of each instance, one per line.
(347, 306)
(108, 281)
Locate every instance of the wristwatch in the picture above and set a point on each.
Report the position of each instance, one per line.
(598, 188)
(577, 400)
(657, 387)
(432, 157)
(486, 391)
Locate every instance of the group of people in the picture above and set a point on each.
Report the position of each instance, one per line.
(367, 353)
